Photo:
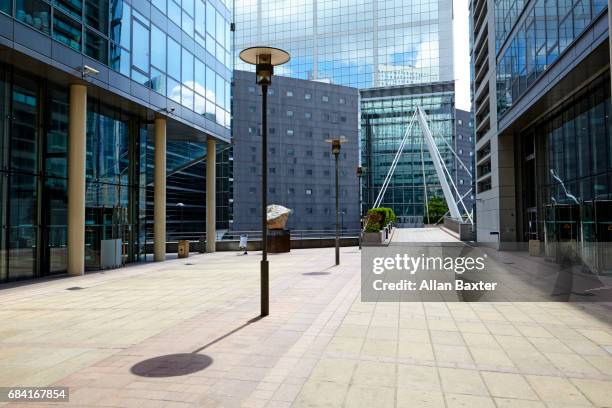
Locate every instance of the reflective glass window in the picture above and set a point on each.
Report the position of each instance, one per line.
(5, 6)
(74, 8)
(119, 59)
(158, 81)
(220, 25)
(188, 6)
(120, 23)
(210, 18)
(200, 16)
(220, 91)
(174, 90)
(200, 77)
(34, 13)
(66, 30)
(96, 14)
(160, 4)
(158, 48)
(96, 46)
(187, 24)
(140, 37)
(174, 12)
(210, 85)
(187, 68)
(174, 59)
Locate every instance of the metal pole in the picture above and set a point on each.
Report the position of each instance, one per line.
(360, 215)
(337, 216)
(265, 292)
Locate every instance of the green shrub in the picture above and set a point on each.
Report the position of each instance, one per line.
(378, 218)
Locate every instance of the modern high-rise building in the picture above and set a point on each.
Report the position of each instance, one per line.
(86, 87)
(358, 43)
(302, 116)
(400, 55)
(542, 118)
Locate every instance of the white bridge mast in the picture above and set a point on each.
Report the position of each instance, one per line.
(438, 163)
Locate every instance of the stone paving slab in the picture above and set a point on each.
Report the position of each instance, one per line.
(186, 333)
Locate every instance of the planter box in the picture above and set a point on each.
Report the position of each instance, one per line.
(373, 237)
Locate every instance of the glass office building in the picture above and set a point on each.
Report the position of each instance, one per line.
(544, 145)
(133, 73)
(358, 43)
(373, 45)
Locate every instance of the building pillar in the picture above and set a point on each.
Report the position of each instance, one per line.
(159, 183)
(77, 151)
(211, 200)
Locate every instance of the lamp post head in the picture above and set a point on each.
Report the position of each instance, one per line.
(264, 59)
(360, 170)
(336, 143)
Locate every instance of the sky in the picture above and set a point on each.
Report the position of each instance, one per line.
(462, 54)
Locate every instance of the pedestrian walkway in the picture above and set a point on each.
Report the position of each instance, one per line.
(421, 235)
(186, 333)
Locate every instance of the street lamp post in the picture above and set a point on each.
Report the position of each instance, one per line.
(180, 206)
(264, 59)
(335, 144)
(360, 170)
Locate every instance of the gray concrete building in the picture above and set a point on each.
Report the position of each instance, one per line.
(301, 116)
(464, 147)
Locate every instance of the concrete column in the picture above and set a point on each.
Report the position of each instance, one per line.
(159, 183)
(211, 200)
(77, 150)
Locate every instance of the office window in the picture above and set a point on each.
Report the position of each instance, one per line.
(187, 68)
(252, 109)
(326, 154)
(326, 172)
(96, 47)
(200, 77)
(307, 96)
(120, 60)
(140, 37)
(158, 51)
(66, 30)
(272, 150)
(325, 98)
(309, 210)
(289, 93)
(460, 122)
(160, 4)
(309, 172)
(309, 153)
(289, 114)
(290, 152)
(272, 170)
(291, 190)
(96, 15)
(342, 101)
(272, 190)
(251, 89)
(73, 8)
(307, 115)
(291, 172)
(308, 191)
(252, 190)
(289, 132)
(174, 12)
(121, 23)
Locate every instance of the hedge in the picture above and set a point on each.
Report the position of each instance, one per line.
(378, 218)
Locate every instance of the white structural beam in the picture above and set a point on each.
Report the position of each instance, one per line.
(438, 165)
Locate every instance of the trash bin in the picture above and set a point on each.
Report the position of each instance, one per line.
(183, 248)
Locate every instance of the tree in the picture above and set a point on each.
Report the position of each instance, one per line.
(436, 208)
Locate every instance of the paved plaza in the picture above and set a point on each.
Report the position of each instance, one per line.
(186, 333)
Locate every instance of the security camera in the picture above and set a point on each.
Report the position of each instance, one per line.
(89, 71)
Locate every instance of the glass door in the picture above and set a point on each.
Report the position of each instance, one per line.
(22, 236)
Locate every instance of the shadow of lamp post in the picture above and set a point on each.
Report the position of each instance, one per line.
(335, 145)
(264, 59)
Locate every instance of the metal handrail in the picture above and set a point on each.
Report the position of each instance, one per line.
(256, 235)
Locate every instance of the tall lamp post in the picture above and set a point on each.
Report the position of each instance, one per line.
(360, 170)
(264, 59)
(335, 144)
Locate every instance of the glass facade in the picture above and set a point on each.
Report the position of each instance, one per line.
(33, 178)
(384, 121)
(358, 43)
(195, 73)
(567, 168)
(545, 30)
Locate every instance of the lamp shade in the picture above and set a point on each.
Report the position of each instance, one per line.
(253, 56)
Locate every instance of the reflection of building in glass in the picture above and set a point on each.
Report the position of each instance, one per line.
(148, 63)
(464, 147)
(544, 145)
(303, 114)
(359, 43)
